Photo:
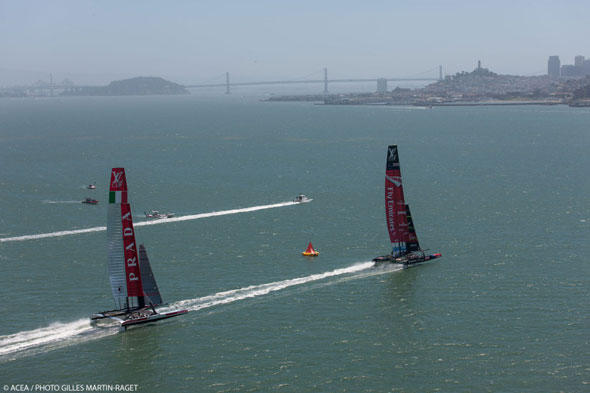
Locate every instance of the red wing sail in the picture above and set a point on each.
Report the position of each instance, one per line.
(309, 248)
(133, 275)
(124, 272)
(118, 188)
(395, 206)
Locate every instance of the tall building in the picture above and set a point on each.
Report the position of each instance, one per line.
(553, 66)
(580, 68)
(381, 85)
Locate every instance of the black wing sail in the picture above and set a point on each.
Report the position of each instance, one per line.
(150, 288)
(412, 244)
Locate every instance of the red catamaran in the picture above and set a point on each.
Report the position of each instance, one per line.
(132, 281)
(405, 247)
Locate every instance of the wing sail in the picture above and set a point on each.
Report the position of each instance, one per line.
(123, 264)
(412, 244)
(395, 206)
(116, 256)
(151, 292)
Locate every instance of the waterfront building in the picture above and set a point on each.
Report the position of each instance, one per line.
(553, 66)
(579, 61)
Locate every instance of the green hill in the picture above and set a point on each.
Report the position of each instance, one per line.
(140, 86)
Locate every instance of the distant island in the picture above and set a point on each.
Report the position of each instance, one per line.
(140, 86)
(479, 87)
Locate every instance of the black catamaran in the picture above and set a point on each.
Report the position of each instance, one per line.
(405, 247)
(132, 281)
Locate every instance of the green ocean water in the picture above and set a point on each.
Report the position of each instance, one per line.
(503, 193)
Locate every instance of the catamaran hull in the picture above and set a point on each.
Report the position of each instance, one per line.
(405, 261)
(126, 319)
(152, 318)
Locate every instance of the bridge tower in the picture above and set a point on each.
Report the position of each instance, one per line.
(325, 80)
(227, 83)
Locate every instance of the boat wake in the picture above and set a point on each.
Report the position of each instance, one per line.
(45, 339)
(54, 202)
(262, 289)
(144, 223)
(60, 335)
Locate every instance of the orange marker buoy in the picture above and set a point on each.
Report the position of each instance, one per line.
(310, 252)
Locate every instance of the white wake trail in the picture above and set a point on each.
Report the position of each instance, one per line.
(56, 202)
(54, 336)
(213, 214)
(60, 335)
(263, 289)
(145, 223)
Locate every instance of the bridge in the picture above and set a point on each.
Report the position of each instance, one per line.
(48, 89)
(380, 81)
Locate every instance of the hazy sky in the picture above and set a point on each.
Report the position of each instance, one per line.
(91, 41)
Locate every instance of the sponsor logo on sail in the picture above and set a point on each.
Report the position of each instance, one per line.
(130, 253)
(397, 180)
(117, 179)
(392, 154)
(390, 206)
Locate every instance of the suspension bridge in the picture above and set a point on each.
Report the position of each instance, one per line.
(381, 82)
(224, 81)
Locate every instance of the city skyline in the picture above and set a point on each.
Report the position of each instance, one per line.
(188, 42)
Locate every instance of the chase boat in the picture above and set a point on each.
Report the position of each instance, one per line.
(301, 198)
(156, 214)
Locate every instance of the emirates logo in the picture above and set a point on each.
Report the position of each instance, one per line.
(397, 181)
